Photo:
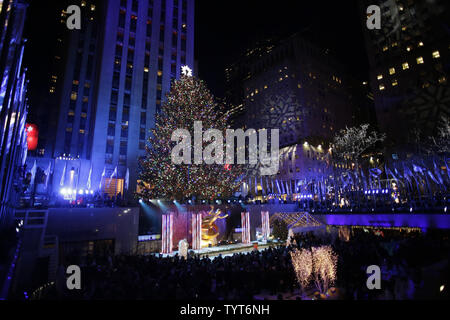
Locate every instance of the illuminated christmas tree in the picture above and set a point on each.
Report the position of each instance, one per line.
(188, 101)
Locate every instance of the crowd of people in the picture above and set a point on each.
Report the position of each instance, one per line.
(402, 258)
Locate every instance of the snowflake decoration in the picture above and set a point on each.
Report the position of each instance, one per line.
(186, 71)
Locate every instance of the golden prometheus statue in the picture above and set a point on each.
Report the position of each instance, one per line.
(210, 230)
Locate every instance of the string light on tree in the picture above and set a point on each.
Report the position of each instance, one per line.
(188, 101)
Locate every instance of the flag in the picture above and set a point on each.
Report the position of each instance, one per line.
(417, 169)
(432, 177)
(256, 185)
(262, 186)
(88, 184)
(33, 172)
(278, 187)
(127, 179)
(437, 173)
(375, 172)
(63, 176)
(363, 177)
(47, 173)
(101, 178)
(446, 165)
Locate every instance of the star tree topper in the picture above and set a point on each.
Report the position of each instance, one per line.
(186, 71)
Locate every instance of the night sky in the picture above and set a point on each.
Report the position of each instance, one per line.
(224, 30)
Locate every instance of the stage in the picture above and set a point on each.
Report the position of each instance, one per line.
(227, 250)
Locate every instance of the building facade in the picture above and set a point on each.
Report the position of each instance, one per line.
(13, 106)
(117, 70)
(409, 67)
(300, 89)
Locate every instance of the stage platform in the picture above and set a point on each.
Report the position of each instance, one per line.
(227, 250)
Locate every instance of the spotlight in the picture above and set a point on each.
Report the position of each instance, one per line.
(80, 192)
(140, 201)
(190, 201)
(92, 191)
(442, 288)
(445, 209)
(411, 209)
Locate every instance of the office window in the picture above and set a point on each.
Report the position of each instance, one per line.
(125, 114)
(123, 148)
(128, 83)
(405, 66)
(382, 87)
(122, 19)
(394, 83)
(380, 76)
(133, 24)
(112, 113)
(142, 134)
(124, 131)
(391, 71)
(135, 6)
(110, 146)
(111, 130)
(419, 60)
(436, 54)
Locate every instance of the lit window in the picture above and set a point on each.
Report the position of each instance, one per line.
(408, 48)
(420, 44)
(394, 83)
(420, 60)
(75, 82)
(83, 3)
(382, 87)
(92, 7)
(385, 48)
(265, 87)
(405, 66)
(159, 73)
(82, 131)
(391, 71)
(73, 96)
(145, 69)
(442, 80)
(436, 54)
(380, 76)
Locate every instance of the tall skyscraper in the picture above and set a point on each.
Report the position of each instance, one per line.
(13, 105)
(409, 67)
(302, 90)
(117, 70)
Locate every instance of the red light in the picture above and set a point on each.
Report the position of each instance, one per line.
(32, 136)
